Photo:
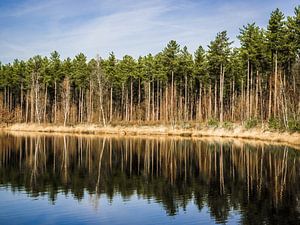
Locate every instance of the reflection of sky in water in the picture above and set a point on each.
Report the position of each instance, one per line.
(19, 208)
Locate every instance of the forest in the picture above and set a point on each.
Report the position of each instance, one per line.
(257, 82)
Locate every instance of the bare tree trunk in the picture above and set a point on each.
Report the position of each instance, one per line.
(185, 97)
(200, 102)
(37, 100)
(131, 98)
(139, 100)
(122, 102)
(166, 106)
(261, 99)
(275, 87)
(172, 96)
(215, 108)
(157, 100)
(248, 93)
(233, 100)
(242, 112)
(149, 101)
(31, 99)
(210, 101)
(66, 88)
(79, 105)
(251, 93)
(45, 103)
(111, 104)
(126, 105)
(90, 116)
(27, 107)
(5, 97)
(82, 106)
(161, 101)
(222, 70)
(55, 100)
(256, 94)
(270, 98)
(99, 77)
(153, 101)
(21, 102)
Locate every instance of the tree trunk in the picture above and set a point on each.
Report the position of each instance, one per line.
(153, 102)
(27, 107)
(101, 98)
(210, 101)
(200, 102)
(275, 87)
(242, 104)
(90, 116)
(233, 100)
(166, 106)
(66, 100)
(270, 98)
(111, 104)
(139, 100)
(185, 97)
(122, 102)
(157, 99)
(45, 103)
(131, 98)
(222, 70)
(21, 102)
(55, 100)
(256, 94)
(172, 96)
(149, 101)
(32, 99)
(79, 106)
(215, 108)
(251, 93)
(37, 100)
(248, 91)
(126, 105)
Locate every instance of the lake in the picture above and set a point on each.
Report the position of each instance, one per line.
(61, 179)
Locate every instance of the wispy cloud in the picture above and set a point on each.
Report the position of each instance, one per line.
(125, 27)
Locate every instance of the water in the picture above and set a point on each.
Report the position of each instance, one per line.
(93, 180)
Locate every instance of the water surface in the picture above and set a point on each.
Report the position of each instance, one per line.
(104, 180)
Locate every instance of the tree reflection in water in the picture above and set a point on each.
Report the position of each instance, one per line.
(259, 181)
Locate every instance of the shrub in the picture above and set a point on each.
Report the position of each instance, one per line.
(251, 123)
(275, 124)
(213, 122)
(294, 125)
(228, 125)
(186, 125)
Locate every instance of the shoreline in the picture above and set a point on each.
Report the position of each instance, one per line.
(163, 130)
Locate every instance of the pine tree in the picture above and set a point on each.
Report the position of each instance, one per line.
(275, 36)
(80, 78)
(201, 76)
(55, 73)
(218, 54)
(185, 72)
(170, 62)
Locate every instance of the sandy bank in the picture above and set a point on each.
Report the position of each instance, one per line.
(236, 132)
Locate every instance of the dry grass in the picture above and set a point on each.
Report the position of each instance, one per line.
(159, 130)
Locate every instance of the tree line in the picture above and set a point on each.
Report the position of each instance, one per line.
(260, 80)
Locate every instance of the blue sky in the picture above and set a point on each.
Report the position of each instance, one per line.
(134, 27)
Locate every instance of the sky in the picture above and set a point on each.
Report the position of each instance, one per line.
(134, 27)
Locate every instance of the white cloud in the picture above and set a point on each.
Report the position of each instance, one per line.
(125, 27)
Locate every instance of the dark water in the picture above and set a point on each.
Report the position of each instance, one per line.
(88, 180)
